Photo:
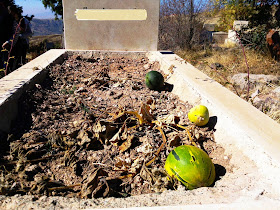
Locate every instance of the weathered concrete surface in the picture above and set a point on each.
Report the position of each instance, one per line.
(12, 85)
(219, 37)
(139, 35)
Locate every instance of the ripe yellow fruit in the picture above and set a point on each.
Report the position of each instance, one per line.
(199, 115)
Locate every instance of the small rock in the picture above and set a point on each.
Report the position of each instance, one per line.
(146, 66)
(118, 96)
(111, 93)
(38, 86)
(81, 89)
(256, 80)
(117, 84)
(77, 123)
(43, 198)
(277, 91)
(257, 92)
(99, 99)
(32, 168)
(216, 66)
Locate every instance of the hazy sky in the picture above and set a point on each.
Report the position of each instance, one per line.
(36, 8)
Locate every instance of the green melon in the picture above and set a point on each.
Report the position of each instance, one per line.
(191, 166)
(154, 80)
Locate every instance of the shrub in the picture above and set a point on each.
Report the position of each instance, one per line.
(254, 38)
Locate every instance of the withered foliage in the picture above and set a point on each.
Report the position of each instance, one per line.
(93, 129)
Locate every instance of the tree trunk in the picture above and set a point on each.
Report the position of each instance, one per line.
(191, 25)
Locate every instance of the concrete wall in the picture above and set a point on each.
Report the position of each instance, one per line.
(219, 37)
(122, 32)
(239, 24)
(209, 26)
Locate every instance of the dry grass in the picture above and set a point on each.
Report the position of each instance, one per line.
(275, 115)
(38, 44)
(232, 61)
(35, 40)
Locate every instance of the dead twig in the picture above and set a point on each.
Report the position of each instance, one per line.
(63, 187)
(36, 160)
(159, 127)
(248, 70)
(188, 133)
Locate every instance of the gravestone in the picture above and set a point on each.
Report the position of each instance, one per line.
(239, 24)
(219, 37)
(123, 25)
(209, 26)
(232, 38)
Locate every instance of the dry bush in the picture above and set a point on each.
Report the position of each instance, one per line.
(179, 24)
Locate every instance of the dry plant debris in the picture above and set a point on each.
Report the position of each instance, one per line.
(93, 129)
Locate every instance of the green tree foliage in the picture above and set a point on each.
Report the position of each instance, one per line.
(255, 38)
(233, 10)
(9, 2)
(55, 5)
(257, 12)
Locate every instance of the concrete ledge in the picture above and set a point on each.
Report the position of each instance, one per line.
(256, 205)
(15, 83)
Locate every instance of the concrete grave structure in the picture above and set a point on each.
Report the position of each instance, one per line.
(250, 138)
(111, 24)
(232, 38)
(239, 24)
(209, 26)
(219, 37)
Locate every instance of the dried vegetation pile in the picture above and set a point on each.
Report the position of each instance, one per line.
(93, 129)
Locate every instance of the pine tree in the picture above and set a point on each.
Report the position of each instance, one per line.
(55, 6)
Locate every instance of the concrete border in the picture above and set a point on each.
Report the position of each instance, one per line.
(15, 83)
(256, 205)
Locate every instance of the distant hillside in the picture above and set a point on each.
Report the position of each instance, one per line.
(43, 27)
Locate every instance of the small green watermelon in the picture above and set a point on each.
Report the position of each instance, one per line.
(191, 166)
(154, 80)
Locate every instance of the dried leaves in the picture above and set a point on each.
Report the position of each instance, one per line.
(96, 131)
(95, 183)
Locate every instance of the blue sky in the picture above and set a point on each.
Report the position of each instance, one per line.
(36, 8)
